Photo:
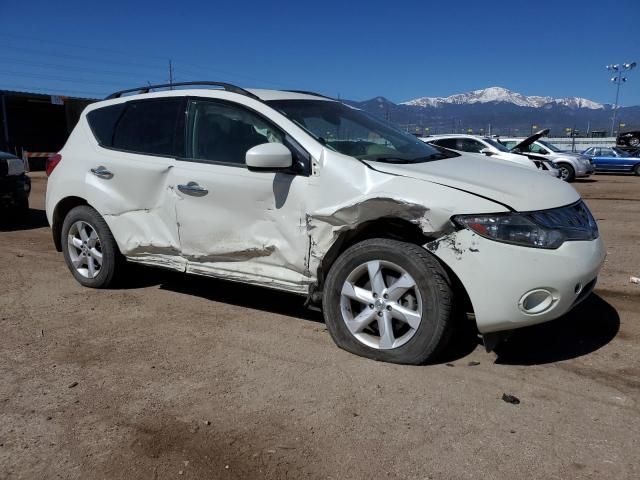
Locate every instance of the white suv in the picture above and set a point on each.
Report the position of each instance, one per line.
(299, 192)
(484, 146)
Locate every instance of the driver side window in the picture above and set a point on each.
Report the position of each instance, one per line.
(223, 133)
(469, 145)
(535, 148)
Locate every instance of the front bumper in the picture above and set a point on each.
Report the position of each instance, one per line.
(583, 170)
(504, 282)
(14, 189)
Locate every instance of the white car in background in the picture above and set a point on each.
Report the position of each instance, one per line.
(488, 147)
(571, 165)
(298, 192)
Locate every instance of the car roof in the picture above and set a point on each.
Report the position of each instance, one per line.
(268, 95)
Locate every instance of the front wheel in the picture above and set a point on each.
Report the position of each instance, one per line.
(89, 249)
(567, 172)
(636, 170)
(388, 301)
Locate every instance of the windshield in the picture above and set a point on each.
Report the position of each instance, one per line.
(548, 145)
(355, 133)
(495, 144)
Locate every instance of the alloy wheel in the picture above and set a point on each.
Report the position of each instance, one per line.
(85, 249)
(381, 305)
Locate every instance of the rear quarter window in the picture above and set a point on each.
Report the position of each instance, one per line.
(150, 127)
(103, 121)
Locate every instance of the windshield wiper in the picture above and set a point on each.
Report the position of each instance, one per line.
(390, 160)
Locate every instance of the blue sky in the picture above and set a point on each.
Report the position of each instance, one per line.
(357, 50)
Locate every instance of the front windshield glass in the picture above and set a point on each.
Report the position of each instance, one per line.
(550, 146)
(495, 144)
(355, 133)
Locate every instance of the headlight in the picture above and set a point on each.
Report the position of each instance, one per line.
(540, 229)
(512, 228)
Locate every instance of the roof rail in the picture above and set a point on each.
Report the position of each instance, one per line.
(305, 92)
(225, 86)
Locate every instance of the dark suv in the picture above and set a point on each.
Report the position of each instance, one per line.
(15, 185)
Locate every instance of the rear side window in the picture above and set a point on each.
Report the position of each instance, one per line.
(103, 121)
(446, 143)
(151, 127)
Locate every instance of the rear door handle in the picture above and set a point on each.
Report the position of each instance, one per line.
(192, 188)
(102, 172)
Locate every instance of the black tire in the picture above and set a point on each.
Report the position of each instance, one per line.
(636, 170)
(432, 281)
(112, 260)
(567, 172)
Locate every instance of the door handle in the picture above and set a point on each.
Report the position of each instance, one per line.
(102, 172)
(192, 188)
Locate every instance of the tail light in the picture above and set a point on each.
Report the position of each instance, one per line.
(52, 162)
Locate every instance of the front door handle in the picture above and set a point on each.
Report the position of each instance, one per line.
(102, 172)
(192, 188)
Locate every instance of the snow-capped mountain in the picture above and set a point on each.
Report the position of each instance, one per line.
(500, 94)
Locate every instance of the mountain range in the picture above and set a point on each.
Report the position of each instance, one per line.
(500, 94)
(498, 110)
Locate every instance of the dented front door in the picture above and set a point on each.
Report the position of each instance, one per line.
(234, 223)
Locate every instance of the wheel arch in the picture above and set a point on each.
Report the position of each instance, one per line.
(386, 227)
(62, 208)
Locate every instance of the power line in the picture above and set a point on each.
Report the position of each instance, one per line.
(77, 68)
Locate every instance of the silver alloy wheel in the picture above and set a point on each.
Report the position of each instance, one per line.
(564, 173)
(381, 305)
(85, 250)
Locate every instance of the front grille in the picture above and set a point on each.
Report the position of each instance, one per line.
(575, 221)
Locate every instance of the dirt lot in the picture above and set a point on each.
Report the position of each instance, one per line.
(180, 377)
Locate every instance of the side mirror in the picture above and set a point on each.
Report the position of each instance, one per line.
(268, 157)
(486, 151)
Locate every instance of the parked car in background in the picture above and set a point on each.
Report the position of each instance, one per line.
(488, 147)
(612, 159)
(299, 192)
(15, 186)
(628, 139)
(571, 165)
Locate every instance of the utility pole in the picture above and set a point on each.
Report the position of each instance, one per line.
(170, 75)
(618, 79)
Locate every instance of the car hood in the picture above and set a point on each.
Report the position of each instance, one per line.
(519, 188)
(529, 140)
(567, 153)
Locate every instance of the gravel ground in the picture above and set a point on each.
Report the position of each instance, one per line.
(181, 377)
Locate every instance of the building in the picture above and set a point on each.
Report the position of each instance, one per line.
(35, 122)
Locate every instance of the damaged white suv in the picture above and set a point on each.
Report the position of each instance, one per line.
(299, 192)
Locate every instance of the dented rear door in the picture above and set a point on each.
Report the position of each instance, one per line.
(128, 178)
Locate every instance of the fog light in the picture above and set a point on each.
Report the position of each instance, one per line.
(536, 301)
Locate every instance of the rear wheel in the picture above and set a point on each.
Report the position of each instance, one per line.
(636, 170)
(89, 248)
(567, 172)
(389, 301)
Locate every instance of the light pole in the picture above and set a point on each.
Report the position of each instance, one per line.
(618, 79)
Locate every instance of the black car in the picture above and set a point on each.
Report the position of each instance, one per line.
(15, 186)
(629, 139)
